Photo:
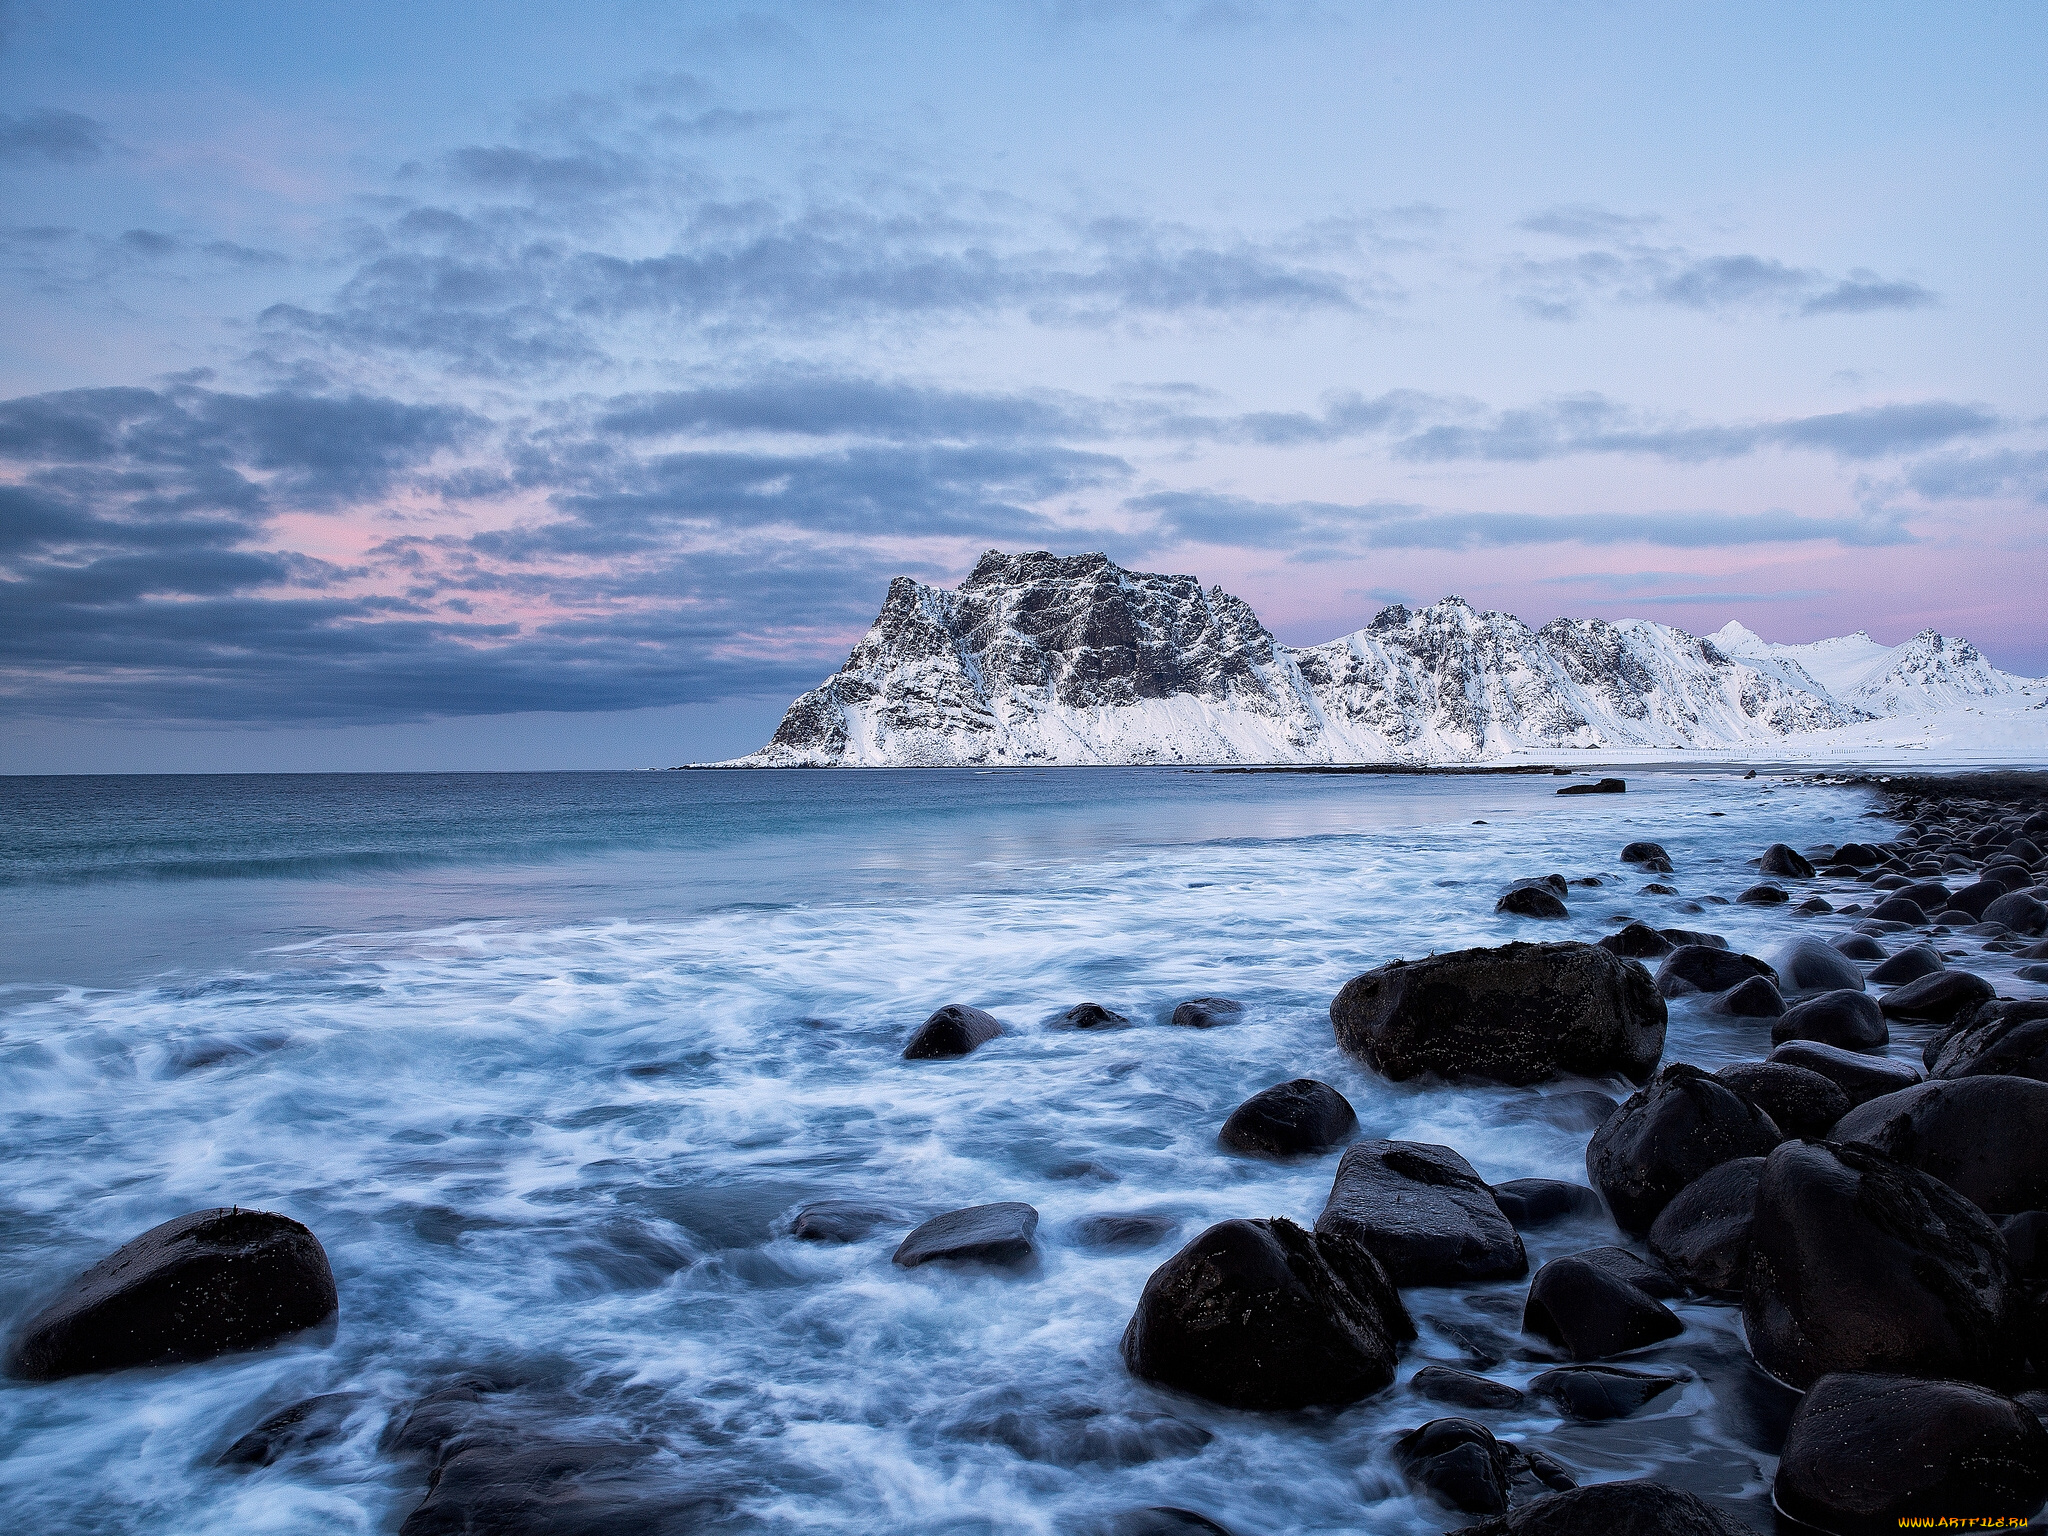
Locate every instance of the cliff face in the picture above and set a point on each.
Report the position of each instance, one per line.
(1039, 658)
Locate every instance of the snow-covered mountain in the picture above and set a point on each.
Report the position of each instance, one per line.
(1930, 672)
(1039, 658)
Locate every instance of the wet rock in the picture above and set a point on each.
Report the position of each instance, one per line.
(1260, 1314)
(438, 1417)
(1604, 787)
(1613, 1509)
(1927, 895)
(1862, 855)
(842, 1221)
(1937, 999)
(1984, 1137)
(1857, 1074)
(1532, 901)
(1588, 1309)
(1851, 1020)
(1857, 1262)
(1423, 1212)
(1997, 1039)
(954, 1030)
(1532, 1203)
(1896, 909)
(1123, 1231)
(1164, 1520)
(1072, 1432)
(1816, 905)
(1638, 941)
(1812, 965)
(1702, 1236)
(1546, 1469)
(1593, 1392)
(998, 1234)
(197, 1286)
(1296, 1119)
(1668, 1134)
(1784, 861)
(1860, 946)
(1208, 1012)
(2019, 912)
(1463, 1389)
(547, 1488)
(1701, 968)
(1087, 1016)
(1867, 1452)
(1517, 1014)
(1656, 889)
(1684, 936)
(298, 1428)
(1643, 853)
(1755, 998)
(1909, 965)
(2026, 1243)
(1764, 896)
(1460, 1462)
(1973, 899)
(1799, 1100)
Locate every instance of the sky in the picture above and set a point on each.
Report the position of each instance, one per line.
(517, 385)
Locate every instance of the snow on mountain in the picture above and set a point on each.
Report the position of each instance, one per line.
(1930, 672)
(1038, 658)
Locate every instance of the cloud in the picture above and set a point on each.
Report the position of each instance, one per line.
(1585, 221)
(1982, 476)
(61, 138)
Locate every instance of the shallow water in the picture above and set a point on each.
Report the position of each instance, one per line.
(548, 1061)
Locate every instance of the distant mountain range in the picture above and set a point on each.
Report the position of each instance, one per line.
(1049, 659)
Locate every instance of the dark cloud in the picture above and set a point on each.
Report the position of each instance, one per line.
(827, 407)
(1861, 292)
(1584, 221)
(62, 138)
(2016, 472)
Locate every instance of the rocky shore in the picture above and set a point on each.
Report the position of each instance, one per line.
(1877, 1222)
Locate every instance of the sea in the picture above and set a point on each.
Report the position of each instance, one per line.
(549, 1061)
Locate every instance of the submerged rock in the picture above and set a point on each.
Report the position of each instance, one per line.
(841, 1221)
(1208, 1012)
(999, 1234)
(1463, 1389)
(1425, 1213)
(300, 1427)
(1296, 1119)
(1593, 1392)
(1087, 1016)
(197, 1286)
(955, 1030)
(1644, 853)
(1518, 1014)
(1638, 941)
(1785, 861)
(1460, 1462)
(1668, 1134)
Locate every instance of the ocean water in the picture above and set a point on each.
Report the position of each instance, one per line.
(548, 1061)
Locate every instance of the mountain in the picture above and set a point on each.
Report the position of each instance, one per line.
(1930, 672)
(1039, 658)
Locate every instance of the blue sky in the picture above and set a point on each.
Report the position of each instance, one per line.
(537, 385)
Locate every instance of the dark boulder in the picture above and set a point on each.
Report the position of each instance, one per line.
(1531, 1203)
(842, 1221)
(1684, 936)
(1587, 1308)
(1862, 855)
(2026, 1243)
(1701, 968)
(1532, 901)
(1087, 1016)
(954, 1030)
(1208, 1012)
(1998, 1039)
(1868, 1452)
(1668, 1134)
(1909, 965)
(550, 1488)
(1123, 1231)
(1812, 965)
(1973, 899)
(1799, 1100)
(1984, 1137)
(1643, 853)
(1646, 1275)
(1896, 909)
(1460, 1462)
(1463, 1389)
(2019, 912)
(999, 1234)
(1860, 946)
(1937, 999)
(1927, 895)
(1613, 1509)
(1638, 941)
(1858, 1074)
(1785, 861)
(1422, 1210)
(1260, 1314)
(2023, 849)
(1604, 787)
(1593, 1392)
(1857, 1262)
(300, 1427)
(1755, 998)
(1297, 1119)
(1851, 1020)
(1517, 1014)
(201, 1285)
(1702, 1236)
(1764, 896)
(1164, 1520)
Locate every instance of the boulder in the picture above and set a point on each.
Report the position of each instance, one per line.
(2019, 912)
(999, 1234)
(1998, 1039)
(1668, 1134)
(1813, 965)
(2026, 1243)
(1785, 861)
(1799, 1100)
(1423, 1212)
(1460, 1462)
(1937, 999)
(1260, 1314)
(1594, 1392)
(1296, 1119)
(1604, 787)
(1755, 998)
(954, 1030)
(1927, 895)
(1702, 1236)
(1613, 1509)
(197, 1286)
(1859, 1075)
(1518, 1014)
(1973, 899)
(1121, 1231)
(1531, 1203)
(1638, 941)
(1463, 1389)
(1857, 1262)
(1587, 1308)
(302, 1426)
(1896, 909)
(1862, 855)
(551, 1488)
(1087, 1016)
(1701, 968)
(1851, 1020)
(1208, 1012)
(842, 1221)
(1860, 946)
(1984, 1137)
(1683, 936)
(1909, 965)
(1868, 1452)
(1764, 896)
(1532, 901)
(1643, 853)
(1165, 1520)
